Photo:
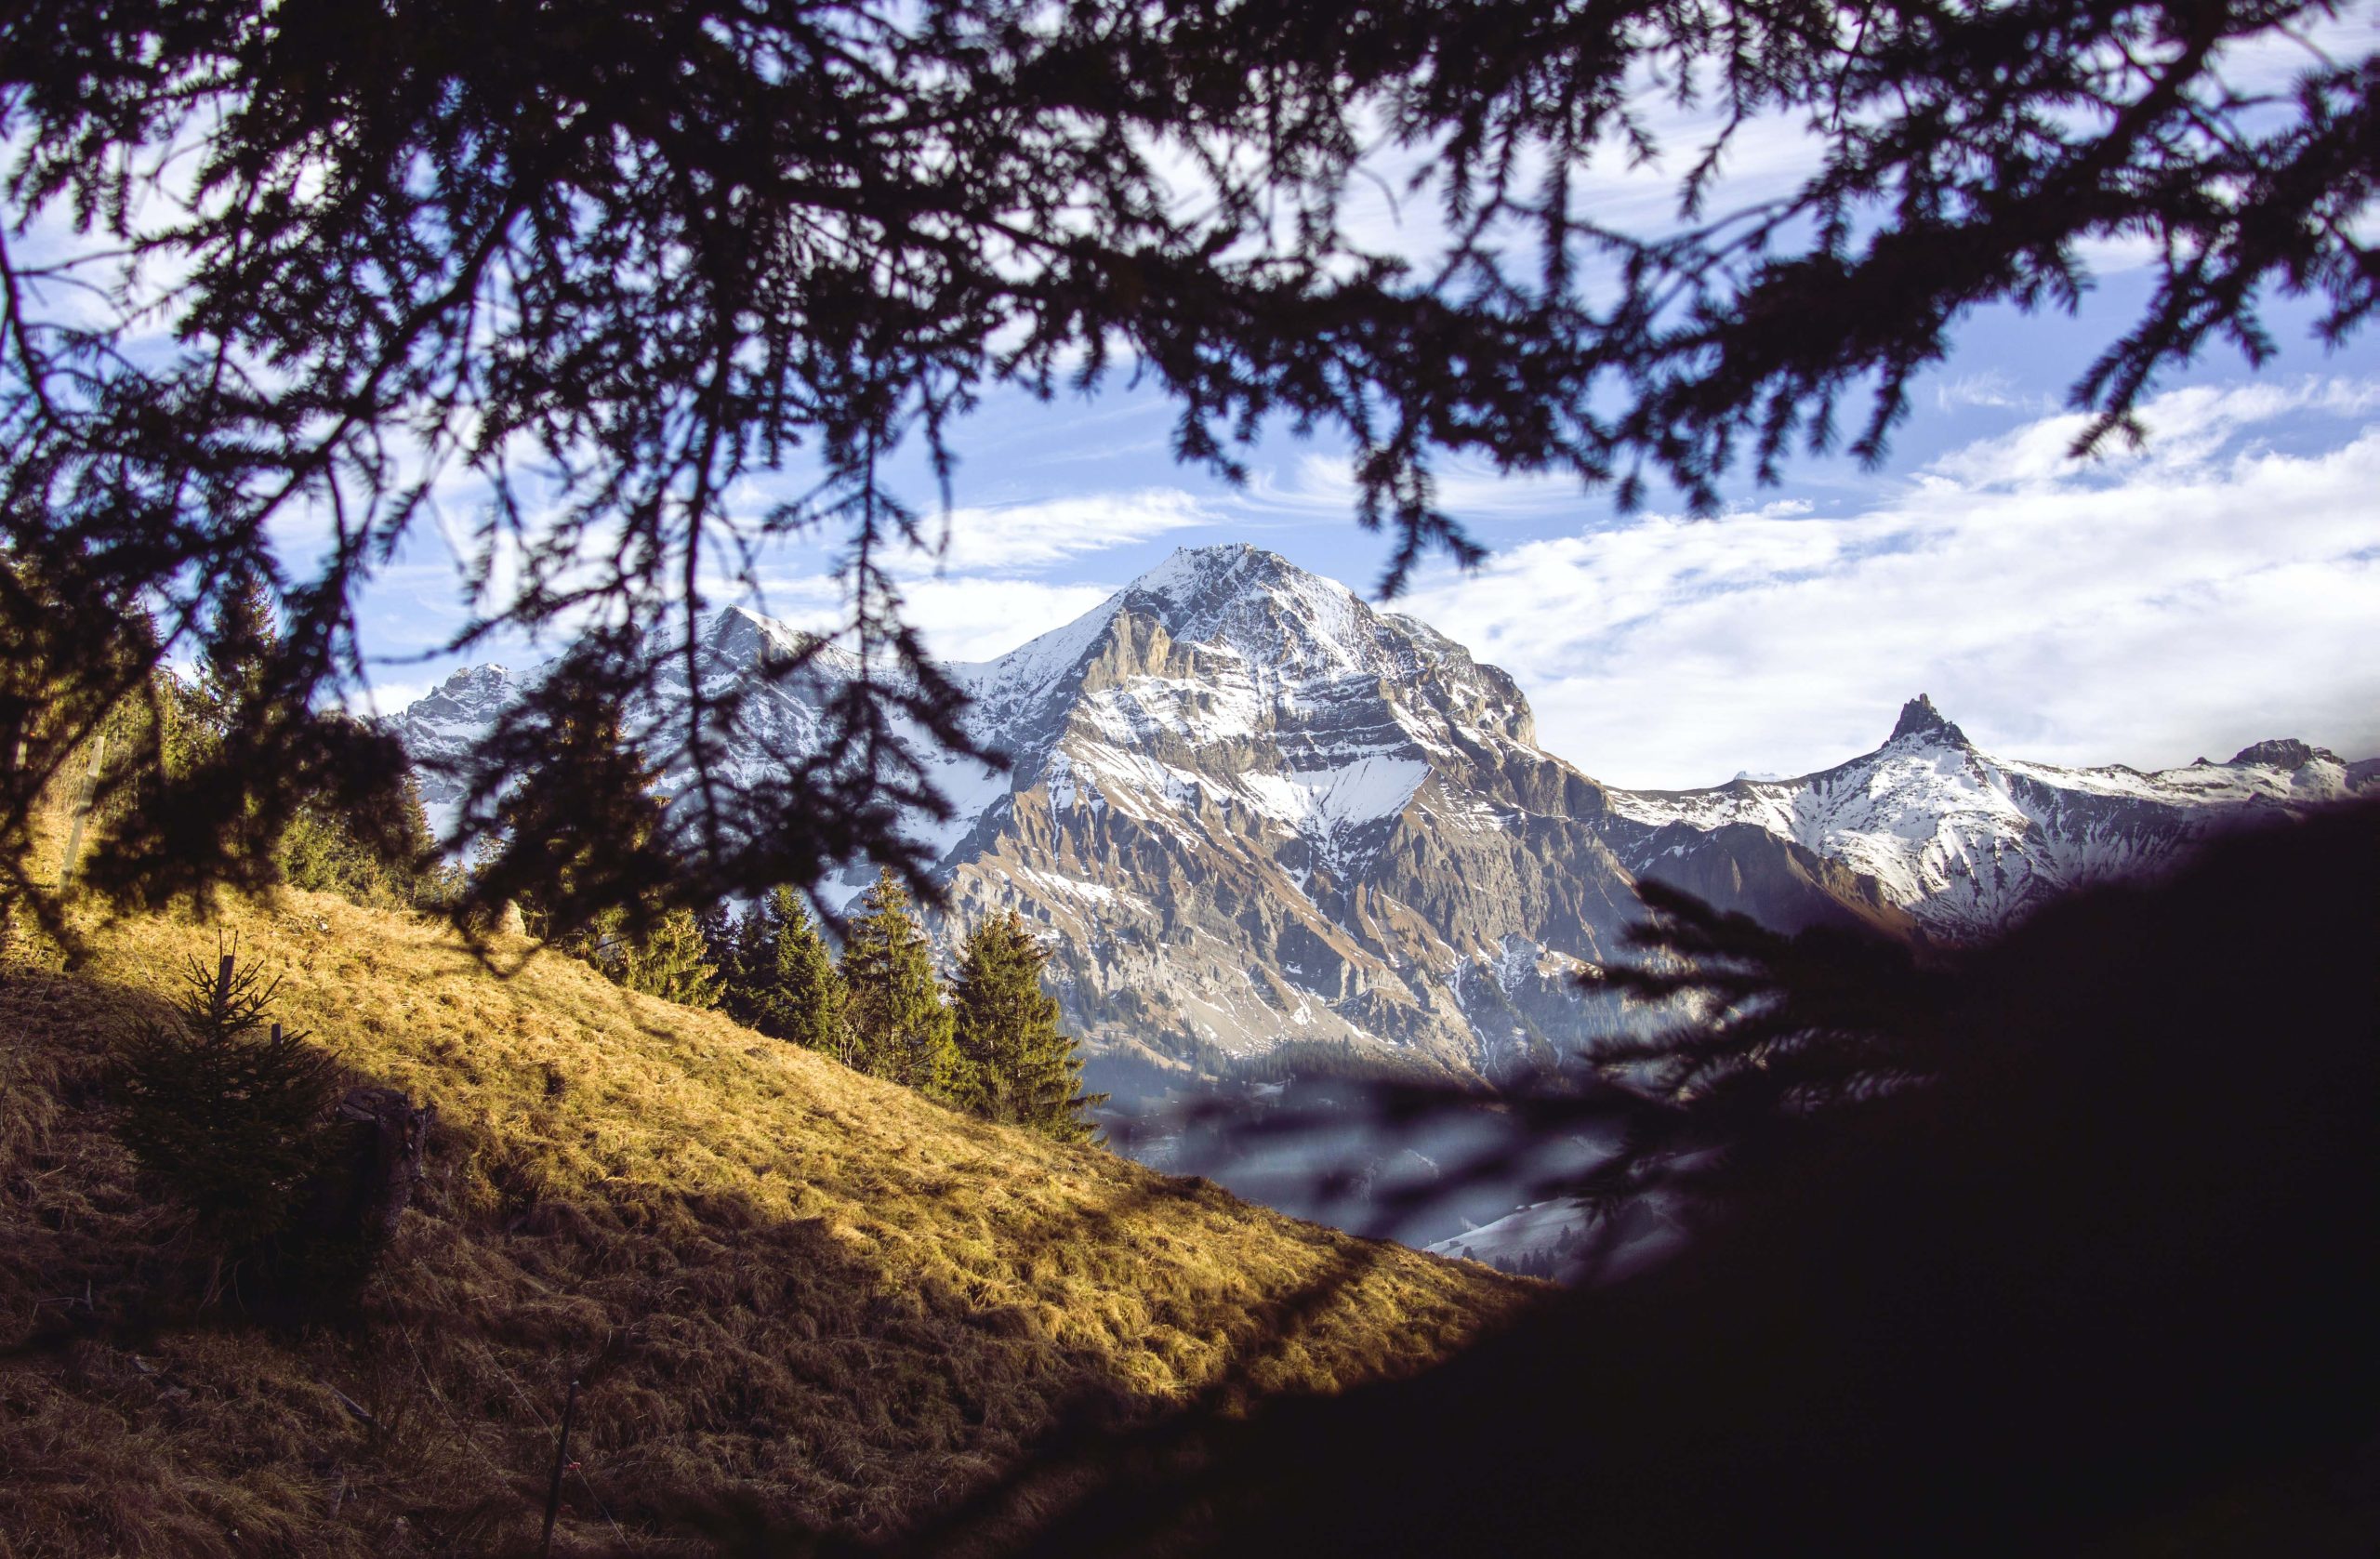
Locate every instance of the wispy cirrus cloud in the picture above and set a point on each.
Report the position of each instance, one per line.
(1000, 575)
(2185, 429)
(961, 617)
(1323, 487)
(1994, 389)
(1025, 538)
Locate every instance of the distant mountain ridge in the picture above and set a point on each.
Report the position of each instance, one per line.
(1962, 843)
(1248, 808)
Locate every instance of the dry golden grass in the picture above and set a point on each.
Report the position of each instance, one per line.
(788, 1289)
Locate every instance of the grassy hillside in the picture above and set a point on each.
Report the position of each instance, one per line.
(789, 1290)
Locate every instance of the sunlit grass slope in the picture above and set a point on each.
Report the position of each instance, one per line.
(787, 1288)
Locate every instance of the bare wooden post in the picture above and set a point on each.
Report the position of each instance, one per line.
(561, 1464)
(82, 809)
(16, 778)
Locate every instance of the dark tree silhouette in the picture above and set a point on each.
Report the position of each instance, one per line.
(222, 1109)
(267, 266)
(2055, 1245)
(366, 838)
(1776, 1035)
(581, 839)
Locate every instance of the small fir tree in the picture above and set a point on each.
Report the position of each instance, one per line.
(900, 1028)
(222, 1109)
(788, 986)
(1018, 1067)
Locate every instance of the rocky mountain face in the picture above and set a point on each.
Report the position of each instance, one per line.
(1250, 809)
(440, 728)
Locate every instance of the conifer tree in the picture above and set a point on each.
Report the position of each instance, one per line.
(1019, 1069)
(612, 831)
(734, 942)
(786, 985)
(243, 635)
(367, 840)
(586, 861)
(900, 1028)
(377, 851)
(722, 932)
(670, 960)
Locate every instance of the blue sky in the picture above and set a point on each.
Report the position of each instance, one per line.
(2220, 587)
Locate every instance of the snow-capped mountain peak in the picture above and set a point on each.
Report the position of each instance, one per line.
(1226, 778)
(740, 629)
(1962, 843)
(1252, 601)
(441, 727)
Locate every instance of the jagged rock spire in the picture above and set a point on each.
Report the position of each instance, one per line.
(1919, 718)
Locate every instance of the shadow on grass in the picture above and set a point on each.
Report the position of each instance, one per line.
(2101, 1281)
(746, 1378)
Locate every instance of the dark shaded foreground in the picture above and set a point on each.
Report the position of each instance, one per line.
(793, 1296)
(2107, 1285)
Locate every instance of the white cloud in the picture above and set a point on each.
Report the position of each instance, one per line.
(390, 696)
(961, 619)
(2185, 428)
(2272, 60)
(977, 619)
(975, 600)
(1396, 204)
(978, 598)
(1993, 388)
(1035, 536)
(2220, 592)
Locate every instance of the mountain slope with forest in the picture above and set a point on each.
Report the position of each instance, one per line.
(789, 1289)
(1251, 814)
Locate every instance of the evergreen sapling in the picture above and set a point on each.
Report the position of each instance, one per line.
(222, 1109)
